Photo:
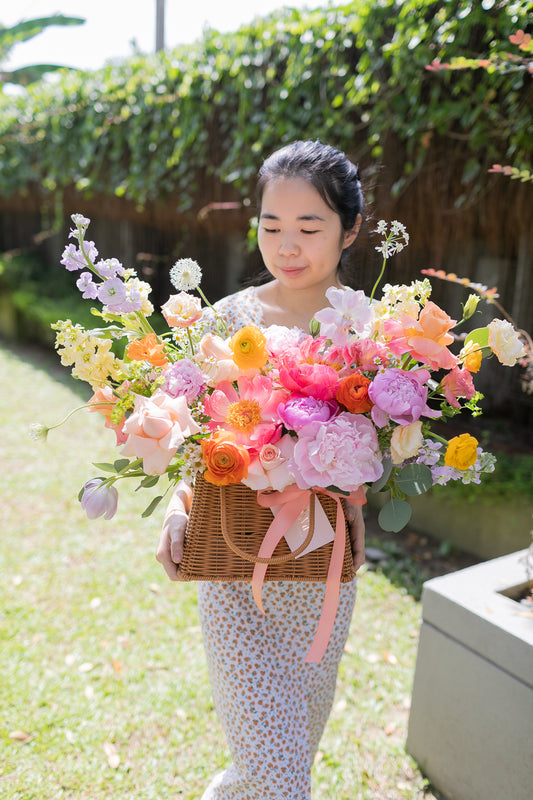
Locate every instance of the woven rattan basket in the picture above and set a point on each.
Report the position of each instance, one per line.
(207, 556)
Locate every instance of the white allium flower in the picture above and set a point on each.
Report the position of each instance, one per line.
(38, 432)
(185, 275)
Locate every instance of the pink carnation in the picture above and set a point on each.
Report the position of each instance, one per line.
(343, 452)
(400, 396)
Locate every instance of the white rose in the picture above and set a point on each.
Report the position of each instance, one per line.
(406, 441)
(504, 341)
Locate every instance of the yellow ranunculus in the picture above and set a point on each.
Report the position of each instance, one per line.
(461, 452)
(471, 355)
(248, 348)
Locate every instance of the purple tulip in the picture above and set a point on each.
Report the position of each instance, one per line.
(99, 500)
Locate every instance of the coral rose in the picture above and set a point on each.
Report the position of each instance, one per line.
(248, 348)
(352, 393)
(425, 339)
(182, 310)
(461, 452)
(227, 461)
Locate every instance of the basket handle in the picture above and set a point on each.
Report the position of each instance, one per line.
(257, 559)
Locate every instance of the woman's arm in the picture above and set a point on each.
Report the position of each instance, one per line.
(170, 548)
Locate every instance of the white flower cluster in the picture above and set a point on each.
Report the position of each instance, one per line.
(394, 241)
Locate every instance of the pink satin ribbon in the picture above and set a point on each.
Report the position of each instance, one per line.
(293, 501)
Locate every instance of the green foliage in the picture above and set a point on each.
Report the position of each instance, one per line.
(353, 75)
(22, 32)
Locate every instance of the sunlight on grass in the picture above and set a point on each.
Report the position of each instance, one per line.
(104, 691)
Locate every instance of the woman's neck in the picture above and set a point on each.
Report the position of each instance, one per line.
(290, 307)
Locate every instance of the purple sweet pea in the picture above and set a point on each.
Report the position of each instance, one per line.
(87, 286)
(400, 396)
(99, 500)
(184, 379)
(300, 410)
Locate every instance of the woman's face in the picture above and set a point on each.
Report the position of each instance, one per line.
(300, 237)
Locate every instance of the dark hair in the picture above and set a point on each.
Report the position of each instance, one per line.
(331, 173)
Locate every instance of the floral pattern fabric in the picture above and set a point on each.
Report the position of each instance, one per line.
(273, 706)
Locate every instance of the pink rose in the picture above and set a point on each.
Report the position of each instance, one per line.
(157, 427)
(182, 310)
(400, 396)
(458, 383)
(343, 452)
(270, 470)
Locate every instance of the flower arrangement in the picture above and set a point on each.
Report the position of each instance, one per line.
(346, 405)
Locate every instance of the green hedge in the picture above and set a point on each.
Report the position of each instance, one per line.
(352, 75)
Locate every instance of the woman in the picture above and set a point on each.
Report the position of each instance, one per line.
(273, 707)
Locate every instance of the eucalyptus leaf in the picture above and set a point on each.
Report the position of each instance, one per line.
(414, 479)
(378, 485)
(152, 506)
(394, 515)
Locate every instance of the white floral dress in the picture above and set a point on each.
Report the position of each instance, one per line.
(273, 706)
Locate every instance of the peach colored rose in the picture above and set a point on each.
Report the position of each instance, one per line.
(227, 462)
(182, 310)
(271, 469)
(156, 428)
(217, 360)
(426, 339)
(406, 441)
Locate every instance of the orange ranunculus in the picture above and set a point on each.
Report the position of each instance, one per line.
(227, 461)
(248, 348)
(461, 452)
(147, 349)
(352, 393)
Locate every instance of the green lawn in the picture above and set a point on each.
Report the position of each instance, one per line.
(104, 690)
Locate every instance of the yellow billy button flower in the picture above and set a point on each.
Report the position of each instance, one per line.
(461, 452)
(248, 348)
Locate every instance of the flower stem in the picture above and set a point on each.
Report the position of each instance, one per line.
(378, 281)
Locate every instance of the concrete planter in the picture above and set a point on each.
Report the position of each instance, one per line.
(471, 720)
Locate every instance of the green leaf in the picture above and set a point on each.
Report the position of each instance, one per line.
(121, 463)
(149, 481)
(395, 515)
(104, 466)
(152, 506)
(378, 485)
(414, 479)
(479, 336)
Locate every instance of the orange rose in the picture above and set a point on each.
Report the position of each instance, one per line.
(147, 349)
(352, 393)
(248, 348)
(227, 461)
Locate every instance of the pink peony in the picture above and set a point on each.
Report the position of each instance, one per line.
(400, 396)
(156, 428)
(184, 378)
(343, 452)
(316, 380)
(299, 410)
(458, 383)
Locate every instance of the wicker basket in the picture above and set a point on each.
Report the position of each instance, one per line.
(226, 528)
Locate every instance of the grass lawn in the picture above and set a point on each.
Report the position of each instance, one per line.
(104, 690)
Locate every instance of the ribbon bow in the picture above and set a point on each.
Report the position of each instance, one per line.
(293, 501)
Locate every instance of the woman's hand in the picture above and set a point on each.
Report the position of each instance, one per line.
(170, 548)
(356, 527)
